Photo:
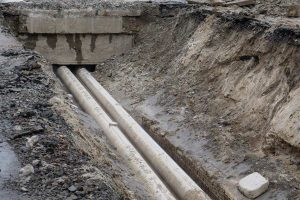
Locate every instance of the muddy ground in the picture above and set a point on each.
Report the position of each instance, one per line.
(218, 87)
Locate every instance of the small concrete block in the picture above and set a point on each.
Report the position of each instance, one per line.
(253, 185)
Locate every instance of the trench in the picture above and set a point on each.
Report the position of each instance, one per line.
(106, 52)
(49, 43)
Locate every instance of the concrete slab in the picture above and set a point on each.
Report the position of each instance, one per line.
(76, 21)
(40, 23)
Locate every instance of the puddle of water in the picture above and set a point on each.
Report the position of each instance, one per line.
(9, 164)
(9, 168)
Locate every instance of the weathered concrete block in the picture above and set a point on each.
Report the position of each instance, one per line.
(253, 185)
(78, 48)
(76, 21)
(40, 23)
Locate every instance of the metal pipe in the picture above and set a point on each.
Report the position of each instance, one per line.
(182, 185)
(152, 182)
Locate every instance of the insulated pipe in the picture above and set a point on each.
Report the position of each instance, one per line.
(155, 186)
(182, 185)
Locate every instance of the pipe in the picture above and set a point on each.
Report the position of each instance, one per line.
(152, 182)
(182, 185)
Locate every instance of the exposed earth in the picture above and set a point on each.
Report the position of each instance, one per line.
(41, 127)
(217, 86)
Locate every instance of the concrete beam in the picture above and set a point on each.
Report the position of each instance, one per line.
(40, 23)
(79, 21)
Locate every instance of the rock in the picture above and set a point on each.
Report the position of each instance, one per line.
(253, 185)
(44, 163)
(18, 128)
(59, 181)
(32, 141)
(25, 179)
(36, 162)
(35, 65)
(26, 171)
(45, 166)
(24, 189)
(72, 188)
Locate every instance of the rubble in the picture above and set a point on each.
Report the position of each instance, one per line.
(32, 141)
(26, 171)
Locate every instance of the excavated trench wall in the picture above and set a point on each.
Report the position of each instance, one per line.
(219, 91)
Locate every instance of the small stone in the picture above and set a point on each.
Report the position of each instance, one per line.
(18, 128)
(35, 65)
(44, 163)
(26, 171)
(61, 179)
(253, 185)
(32, 141)
(25, 180)
(24, 189)
(36, 162)
(226, 159)
(72, 188)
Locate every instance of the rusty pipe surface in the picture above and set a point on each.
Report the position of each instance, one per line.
(155, 186)
(172, 174)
